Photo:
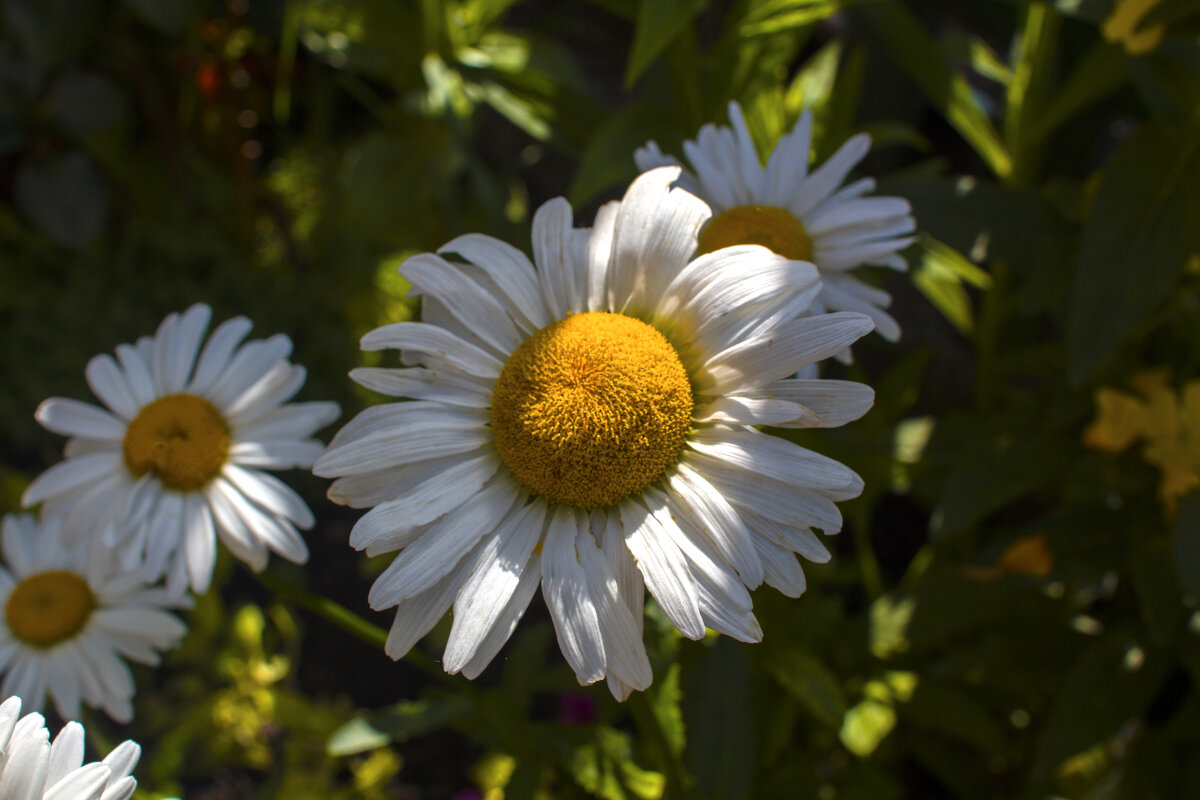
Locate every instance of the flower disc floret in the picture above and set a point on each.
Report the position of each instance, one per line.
(49, 607)
(774, 228)
(591, 409)
(182, 437)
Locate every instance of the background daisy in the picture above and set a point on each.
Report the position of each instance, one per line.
(586, 424)
(810, 217)
(33, 768)
(69, 617)
(177, 457)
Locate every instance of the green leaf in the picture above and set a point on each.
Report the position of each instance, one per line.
(918, 53)
(1102, 691)
(719, 711)
(606, 768)
(810, 681)
(941, 276)
(1101, 71)
(399, 723)
(778, 16)
(665, 704)
(1187, 544)
(955, 712)
(658, 23)
(1139, 237)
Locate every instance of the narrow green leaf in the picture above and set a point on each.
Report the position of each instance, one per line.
(1103, 690)
(918, 53)
(1101, 71)
(777, 16)
(658, 23)
(941, 276)
(809, 681)
(719, 711)
(1140, 235)
(1187, 544)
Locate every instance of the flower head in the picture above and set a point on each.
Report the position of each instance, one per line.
(800, 215)
(584, 422)
(68, 617)
(176, 457)
(32, 768)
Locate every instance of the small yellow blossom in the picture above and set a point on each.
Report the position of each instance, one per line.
(1167, 421)
(1029, 555)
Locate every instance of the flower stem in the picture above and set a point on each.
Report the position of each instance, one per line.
(350, 622)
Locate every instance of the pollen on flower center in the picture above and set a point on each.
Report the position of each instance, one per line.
(774, 228)
(49, 607)
(591, 409)
(182, 437)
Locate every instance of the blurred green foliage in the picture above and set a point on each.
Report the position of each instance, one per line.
(1010, 613)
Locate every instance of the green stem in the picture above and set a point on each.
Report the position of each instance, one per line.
(677, 780)
(350, 622)
(868, 564)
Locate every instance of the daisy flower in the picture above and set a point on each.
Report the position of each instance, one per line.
(175, 460)
(31, 768)
(69, 616)
(584, 423)
(799, 215)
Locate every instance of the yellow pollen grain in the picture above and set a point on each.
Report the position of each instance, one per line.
(182, 437)
(774, 228)
(591, 409)
(49, 607)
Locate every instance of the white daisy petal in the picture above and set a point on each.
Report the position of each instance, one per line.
(572, 609)
(551, 251)
(186, 342)
(247, 368)
(425, 561)
(715, 518)
(826, 178)
(421, 338)
(269, 492)
(423, 384)
(108, 382)
(788, 163)
(433, 276)
(776, 458)
(782, 352)
(781, 570)
(663, 568)
(624, 652)
(73, 418)
(214, 359)
(833, 402)
(416, 615)
(511, 271)
(506, 621)
(69, 475)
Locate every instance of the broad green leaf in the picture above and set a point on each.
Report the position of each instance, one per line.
(1102, 691)
(1139, 237)
(918, 53)
(398, 723)
(956, 712)
(1101, 71)
(65, 196)
(809, 681)
(718, 709)
(658, 23)
(1187, 544)
(665, 704)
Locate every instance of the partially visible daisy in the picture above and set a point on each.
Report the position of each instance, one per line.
(31, 768)
(585, 422)
(69, 615)
(809, 217)
(176, 460)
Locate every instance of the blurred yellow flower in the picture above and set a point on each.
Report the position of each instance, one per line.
(1029, 555)
(1168, 422)
(1124, 25)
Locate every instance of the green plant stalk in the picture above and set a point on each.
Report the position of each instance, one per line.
(868, 564)
(348, 621)
(1027, 91)
(676, 776)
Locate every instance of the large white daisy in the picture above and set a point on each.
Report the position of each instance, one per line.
(69, 616)
(176, 459)
(810, 217)
(33, 768)
(586, 424)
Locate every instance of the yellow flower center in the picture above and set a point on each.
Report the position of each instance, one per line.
(49, 607)
(591, 409)
(774, 228)
(183, 438)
